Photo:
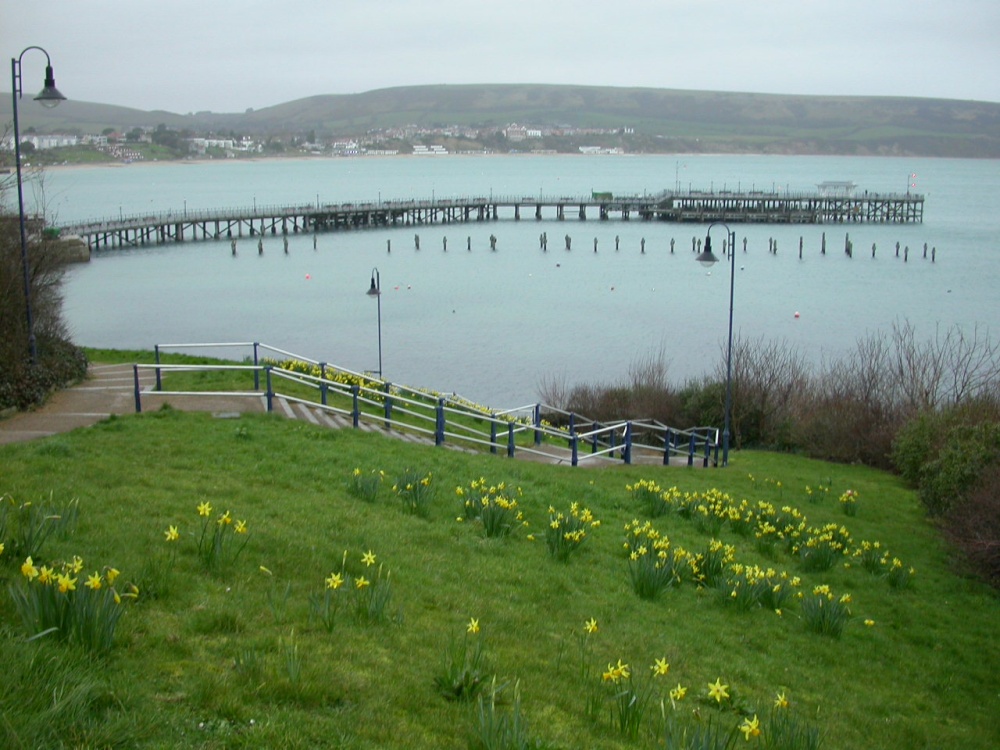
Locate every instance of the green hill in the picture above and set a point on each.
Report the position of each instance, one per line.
(665, 120)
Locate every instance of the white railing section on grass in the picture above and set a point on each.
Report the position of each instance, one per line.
(444, 417)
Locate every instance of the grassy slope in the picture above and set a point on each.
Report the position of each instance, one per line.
(924, 676)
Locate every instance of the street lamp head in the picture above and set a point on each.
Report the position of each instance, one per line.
(373, 290)
(49, 96)
(707, 258)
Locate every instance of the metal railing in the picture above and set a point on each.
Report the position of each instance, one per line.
(364, 400)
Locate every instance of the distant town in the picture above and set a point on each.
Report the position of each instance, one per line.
(162, 143)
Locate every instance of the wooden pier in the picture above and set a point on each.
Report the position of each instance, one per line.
(691, 206)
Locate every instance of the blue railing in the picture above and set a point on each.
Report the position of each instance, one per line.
(361, 400)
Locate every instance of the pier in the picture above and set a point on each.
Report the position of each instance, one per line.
(692, 206)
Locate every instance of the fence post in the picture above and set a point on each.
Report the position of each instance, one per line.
(627, 453)
(138, 401)
(574, 443)
(708, 450)
(668, 437)
(572, 427)
(493, 432)
(510, 440)
(716, 448)
(439, 426)
(388, 406)
(691, 451)
(355, 411)
(256, 372)
(538, 424)
(156, 352)
(270, 391)
(593, 437)
(611, 442)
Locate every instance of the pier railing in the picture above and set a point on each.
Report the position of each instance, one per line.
(350, 399)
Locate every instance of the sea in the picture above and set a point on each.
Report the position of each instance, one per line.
(500, 327)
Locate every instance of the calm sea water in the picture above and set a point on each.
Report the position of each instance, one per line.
(492, 325)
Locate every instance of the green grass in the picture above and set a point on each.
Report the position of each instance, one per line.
(230, 657)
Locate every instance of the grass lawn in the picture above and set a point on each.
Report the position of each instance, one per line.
(243, 645)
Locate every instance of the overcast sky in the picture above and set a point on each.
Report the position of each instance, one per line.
(230, 55)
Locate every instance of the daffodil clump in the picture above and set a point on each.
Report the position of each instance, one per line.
(465, 666)
(566, 532)
(493, 505)
(25, 526)
(68, 603)
(365, 485)
(650, 497)
(849, 503)
(368, 591)
(707, 568)
(824, 612)
(823, 547)
(653, 566)
(415, 491)
(222, 538)
(333, 375)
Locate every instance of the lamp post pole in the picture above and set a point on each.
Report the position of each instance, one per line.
(49, 97)
(375, 290)
(708, 258)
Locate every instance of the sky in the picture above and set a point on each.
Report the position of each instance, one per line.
(231, 55)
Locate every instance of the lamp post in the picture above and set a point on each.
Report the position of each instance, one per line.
(375, 290)
(708, 259)
(49, 97)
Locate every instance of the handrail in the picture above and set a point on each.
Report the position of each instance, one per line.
(377, 401)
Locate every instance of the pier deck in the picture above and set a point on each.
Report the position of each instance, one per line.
(691, 206)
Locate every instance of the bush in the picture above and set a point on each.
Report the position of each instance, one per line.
(974, 526)
(946, 480)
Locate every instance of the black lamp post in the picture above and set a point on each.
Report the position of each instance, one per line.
(708, 259)
(49, 97)
(375, 290)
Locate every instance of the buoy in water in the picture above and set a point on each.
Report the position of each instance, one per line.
(796, 313)
(308, 276)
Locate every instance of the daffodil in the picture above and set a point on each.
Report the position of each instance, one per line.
(93, 581)
(240, 527)
(225, 519)
(111, 575)
(660, 668)
(717, 690)
(750, 728)
(360, 582)
(46, 575)
(780, 701)
(335, 581)
(590, 626)
(172, 534)
(473, 626)
(205, 509)
(65, 583)
(77, 564)
(678, 693)
(28, 569)
(368, 558)
(869, 623)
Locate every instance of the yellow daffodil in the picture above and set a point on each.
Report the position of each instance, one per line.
(111, 575)
(660, 668)
(780, 701)
(678, 693)
(590, 625)
(172, 534)
(869, 623)
(28, 569)
(240, 527)
(1, 548)
(93, 581)
(46, 575)
(225, 519)
(335, 581)
(473, 626)
(717, 690)
(77, 565)
(65, 583)
(750, 728)
(360, 582)
(205, 509)
(368, 558)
